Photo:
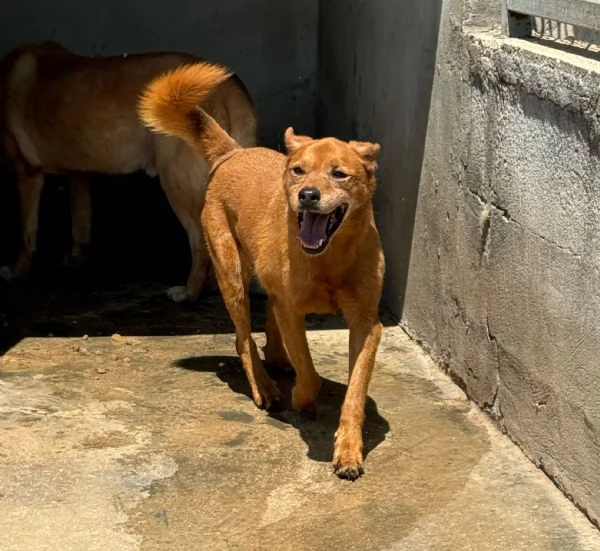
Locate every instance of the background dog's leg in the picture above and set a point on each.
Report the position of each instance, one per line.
(31, 182)
(183, 175)
(308, 382)
(275, 354)
(234, 283)
(81, 218)
(365, 334)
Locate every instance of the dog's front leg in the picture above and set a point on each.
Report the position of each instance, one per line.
(365, 334)
(81, 219)
(233, 279)
(31, 182)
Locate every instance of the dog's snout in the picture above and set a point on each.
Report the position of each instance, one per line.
(309, 196)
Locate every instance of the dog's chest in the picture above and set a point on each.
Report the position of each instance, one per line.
(318, 300)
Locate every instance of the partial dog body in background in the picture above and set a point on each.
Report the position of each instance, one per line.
(64, 113)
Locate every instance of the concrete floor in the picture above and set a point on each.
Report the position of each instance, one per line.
(131, 441)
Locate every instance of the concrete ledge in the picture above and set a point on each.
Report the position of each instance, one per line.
(568, 80)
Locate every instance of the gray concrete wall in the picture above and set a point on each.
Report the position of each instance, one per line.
(376, 62)
(271, 44)
(504, 284)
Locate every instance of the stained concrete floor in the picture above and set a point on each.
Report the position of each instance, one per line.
(125, 424)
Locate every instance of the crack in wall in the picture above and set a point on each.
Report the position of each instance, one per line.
(485, 220)
(493, 206)
(493, 409)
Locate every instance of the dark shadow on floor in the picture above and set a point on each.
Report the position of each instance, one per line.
(317, 433)
(63, 303)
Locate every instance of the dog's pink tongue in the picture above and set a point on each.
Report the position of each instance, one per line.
(312, 228)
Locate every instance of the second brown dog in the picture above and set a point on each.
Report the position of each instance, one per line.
(66, 113)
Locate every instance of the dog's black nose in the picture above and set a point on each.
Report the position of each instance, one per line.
(309, 196)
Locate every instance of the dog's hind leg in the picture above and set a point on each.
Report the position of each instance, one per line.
(81, 218)
(31, 182)
(183, 176)
(365, 334)
(308, 382)
(234, 281)
(274, 350)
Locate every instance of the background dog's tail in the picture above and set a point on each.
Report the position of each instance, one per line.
(171, 105)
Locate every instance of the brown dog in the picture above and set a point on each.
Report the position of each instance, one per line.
(66, 113)
(304, 225)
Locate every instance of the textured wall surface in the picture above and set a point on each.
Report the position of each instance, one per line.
(503, 285)
(376, 63)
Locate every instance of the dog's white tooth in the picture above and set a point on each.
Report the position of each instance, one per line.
(321, 242)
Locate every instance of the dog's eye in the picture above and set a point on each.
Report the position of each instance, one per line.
(298, 170)
(339, 174)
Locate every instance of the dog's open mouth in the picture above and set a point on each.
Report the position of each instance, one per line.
(316, 229)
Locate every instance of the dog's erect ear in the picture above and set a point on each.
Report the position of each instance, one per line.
(368, 152)
(293, 142)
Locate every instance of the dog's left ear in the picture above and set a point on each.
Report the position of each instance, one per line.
(368, 152)
(293, 142)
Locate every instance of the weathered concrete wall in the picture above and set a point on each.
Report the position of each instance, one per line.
(376, 62)
(271, 44)
(504, 284)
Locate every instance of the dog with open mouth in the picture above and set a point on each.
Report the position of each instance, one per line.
(302, 224)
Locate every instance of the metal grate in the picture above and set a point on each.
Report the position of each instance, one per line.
(521, 15)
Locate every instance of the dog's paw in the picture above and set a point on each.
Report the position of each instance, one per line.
(347, 456)
(78, 257)
(304, 398)
(266, 394)
(72, 261)
(179, 293)
(6, 274)
(348, 472)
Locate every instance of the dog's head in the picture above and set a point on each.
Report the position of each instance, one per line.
(326, 181)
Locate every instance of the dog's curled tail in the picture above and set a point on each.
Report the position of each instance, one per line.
(171, 105)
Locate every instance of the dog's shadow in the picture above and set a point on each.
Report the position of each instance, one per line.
(318, 433)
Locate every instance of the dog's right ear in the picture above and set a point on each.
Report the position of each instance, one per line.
(293, 142)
